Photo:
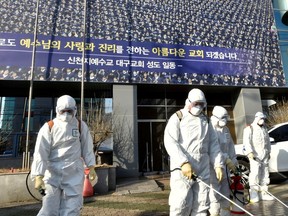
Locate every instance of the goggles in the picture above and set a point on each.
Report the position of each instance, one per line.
(70, 111)
(264, 119)
(198, 103)
(224, 118)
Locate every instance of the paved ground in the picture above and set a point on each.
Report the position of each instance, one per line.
(145, 198)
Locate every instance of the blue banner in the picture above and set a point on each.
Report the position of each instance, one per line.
(63, 52)
(131, 41)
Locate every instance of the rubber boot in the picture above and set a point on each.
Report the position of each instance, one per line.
(225, 212)
(213, 212)
(254, 198)
(264, 195)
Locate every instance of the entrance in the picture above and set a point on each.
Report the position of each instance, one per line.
(152, 154)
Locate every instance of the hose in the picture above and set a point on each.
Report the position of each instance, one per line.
(198, 179)
(244, 184)
(27, 186)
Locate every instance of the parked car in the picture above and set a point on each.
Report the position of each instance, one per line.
(279, 151)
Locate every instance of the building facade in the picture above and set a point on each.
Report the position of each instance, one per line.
(144, 56)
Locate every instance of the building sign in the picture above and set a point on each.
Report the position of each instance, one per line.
(141, 50)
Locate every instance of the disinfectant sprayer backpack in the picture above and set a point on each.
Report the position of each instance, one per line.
(51, 123)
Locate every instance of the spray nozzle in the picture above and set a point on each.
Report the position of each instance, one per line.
(194, 177)
(42, 191)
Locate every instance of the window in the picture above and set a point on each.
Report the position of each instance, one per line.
(280, 134)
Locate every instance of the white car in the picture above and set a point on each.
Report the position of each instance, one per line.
(279, 151)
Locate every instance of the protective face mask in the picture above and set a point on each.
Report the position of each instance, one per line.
(66, 117)
(196, 110)
(261, 122)
(222, 123)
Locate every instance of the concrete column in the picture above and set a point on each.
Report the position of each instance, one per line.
(125, 130)
(246, 105)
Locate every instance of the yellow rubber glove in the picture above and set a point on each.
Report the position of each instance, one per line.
(219, 173)
(92, 173)
(39, 183)
(187, 170)
(251, 156)
(231, 166)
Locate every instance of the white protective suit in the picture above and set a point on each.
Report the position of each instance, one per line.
(218, 204)
(59, 156)
(256, 141)
(191, 139)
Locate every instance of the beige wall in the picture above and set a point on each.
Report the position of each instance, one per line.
(247, 104)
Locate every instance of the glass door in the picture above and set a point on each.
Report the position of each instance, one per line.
(152, 154)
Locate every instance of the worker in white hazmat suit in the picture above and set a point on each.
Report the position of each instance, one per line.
(257, 148)
(192, 146)
(219, 205)
(60, 154)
